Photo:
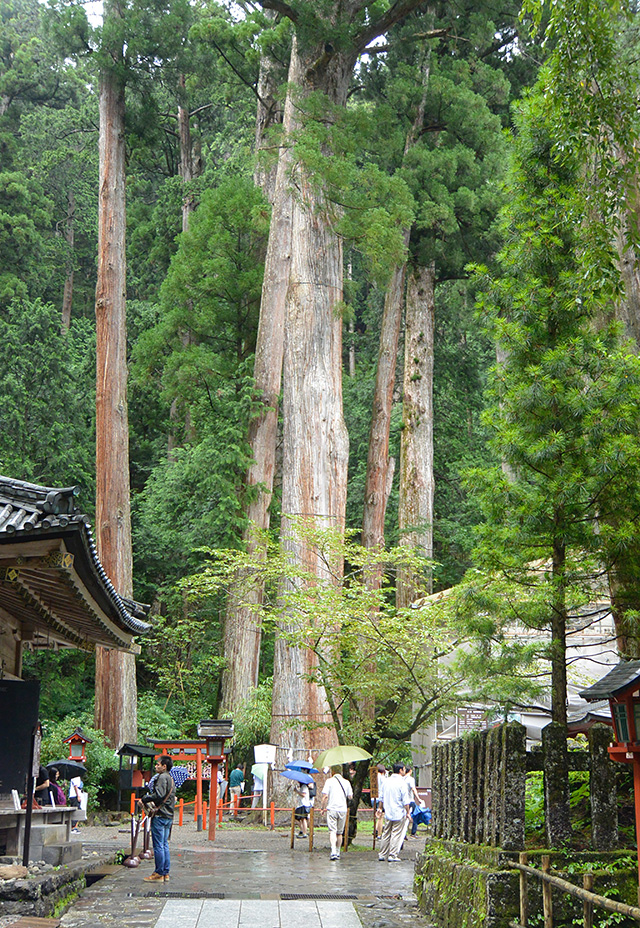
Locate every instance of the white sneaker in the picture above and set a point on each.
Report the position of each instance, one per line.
(381, 857)
(393, 858)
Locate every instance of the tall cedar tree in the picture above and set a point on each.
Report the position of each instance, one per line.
(565, 415)
(116, 692)
(591, 92)
(329, 38)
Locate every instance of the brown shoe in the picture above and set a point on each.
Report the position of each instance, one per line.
(153, 877)
(166, 877)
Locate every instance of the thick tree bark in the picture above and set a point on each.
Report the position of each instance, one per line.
(380, 466)
(315, 440)
(242, 633)
(416, 451)
(269, 114)
(116, 697)
(67, 297)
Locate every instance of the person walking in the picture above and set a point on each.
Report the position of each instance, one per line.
(236, 785)
(160, 803)
(415, 798)
(336, 792)
(377, 803)
(396, 808)
(303, 797)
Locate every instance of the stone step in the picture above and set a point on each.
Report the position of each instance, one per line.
(61, 853)
(48, 834)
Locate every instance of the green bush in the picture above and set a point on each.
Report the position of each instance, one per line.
(102, 762)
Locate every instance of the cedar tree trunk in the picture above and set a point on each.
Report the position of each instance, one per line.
(380, 466)
(269, 114)
(315, 440)
(116, 696)
(242, 630)
(415, 513)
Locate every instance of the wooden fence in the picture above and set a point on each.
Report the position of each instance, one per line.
(548, 880)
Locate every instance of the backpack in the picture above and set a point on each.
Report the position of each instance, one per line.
(312, 790)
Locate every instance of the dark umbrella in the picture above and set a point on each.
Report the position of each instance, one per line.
(305, 765)
(179, 774)
(298, 775)
(68, 768)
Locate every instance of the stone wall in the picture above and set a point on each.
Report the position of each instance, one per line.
(461, 885)
(479, 786)
(479, 780)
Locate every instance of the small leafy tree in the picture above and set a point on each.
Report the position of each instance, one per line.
(368, 651)
(565, 413)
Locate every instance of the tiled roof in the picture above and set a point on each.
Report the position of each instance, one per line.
(615, 682)
(30, 511)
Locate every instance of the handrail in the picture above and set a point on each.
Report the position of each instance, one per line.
(588, 897)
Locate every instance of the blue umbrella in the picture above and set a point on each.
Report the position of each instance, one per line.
(301, 765)
(297, 775)
(180, 775)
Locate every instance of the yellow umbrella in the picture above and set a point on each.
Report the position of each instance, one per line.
(342, 754)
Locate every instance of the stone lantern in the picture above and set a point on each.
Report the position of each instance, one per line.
(215, 732)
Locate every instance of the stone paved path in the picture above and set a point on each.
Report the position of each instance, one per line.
(251, 878)
(237, 913)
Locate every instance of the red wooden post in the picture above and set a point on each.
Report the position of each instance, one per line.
(199, 824)
(213, 792)
(133, 803)
(181, 812)
(273, 815)
(204, 813)
(636, 794)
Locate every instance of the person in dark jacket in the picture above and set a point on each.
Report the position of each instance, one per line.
(161, 803)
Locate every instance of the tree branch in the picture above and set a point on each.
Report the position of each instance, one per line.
(278, 6)
(394, 14)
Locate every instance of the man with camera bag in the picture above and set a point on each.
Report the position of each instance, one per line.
(160, 806)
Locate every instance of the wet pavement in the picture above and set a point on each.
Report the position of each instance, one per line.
(251, 878)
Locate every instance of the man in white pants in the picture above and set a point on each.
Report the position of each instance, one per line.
(396, 803)
(335, 792)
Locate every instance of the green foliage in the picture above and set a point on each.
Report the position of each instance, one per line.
(46, 422)
(370, 208)
(154, 721)
(368, 653)
(534, 807)
(252, 722)
(565, 407)
(66, 678)
(101, 760)
(181, 664)
(25, 215)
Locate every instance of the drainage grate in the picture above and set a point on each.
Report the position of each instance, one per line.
(339, 896)
(168, 895)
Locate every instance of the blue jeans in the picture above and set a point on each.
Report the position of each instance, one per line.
(160, 828)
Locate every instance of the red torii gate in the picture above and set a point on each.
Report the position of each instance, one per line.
(187, 751)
